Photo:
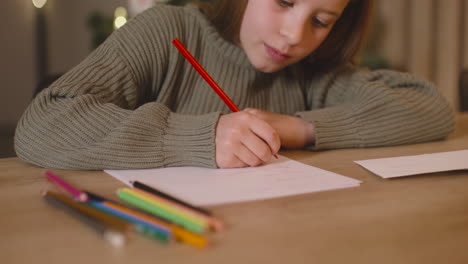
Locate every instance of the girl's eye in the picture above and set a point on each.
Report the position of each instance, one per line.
(319, 23)
(284, 3)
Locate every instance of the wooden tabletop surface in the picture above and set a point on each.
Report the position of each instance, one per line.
(418, 219)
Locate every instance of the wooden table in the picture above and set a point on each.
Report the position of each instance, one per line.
(419, 219)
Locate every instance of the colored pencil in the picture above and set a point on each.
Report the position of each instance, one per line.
(165, 207)
(184, 51)
(144, 187)
(143, 203)
(133, 209)
(114, 236)
(156, 201)
(205, 75)
(156, 231)
(214, 223)
(164, 230)
(179, 233)
(110, 220)
(75, 192)
(98, 198)
(159, 231)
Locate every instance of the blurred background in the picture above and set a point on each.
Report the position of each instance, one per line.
(41, 39)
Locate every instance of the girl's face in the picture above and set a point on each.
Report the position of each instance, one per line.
(278, 33)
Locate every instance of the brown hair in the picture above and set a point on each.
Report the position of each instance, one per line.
(346, 37)
(226, 16)
(339, 48)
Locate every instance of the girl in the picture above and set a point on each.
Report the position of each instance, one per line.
(135, 102)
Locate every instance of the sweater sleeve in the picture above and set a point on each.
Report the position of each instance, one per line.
(355, 108)
(102, 115)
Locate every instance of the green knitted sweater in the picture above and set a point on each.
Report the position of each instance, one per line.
(135, 102)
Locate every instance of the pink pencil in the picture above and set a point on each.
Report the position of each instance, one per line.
(76, 193)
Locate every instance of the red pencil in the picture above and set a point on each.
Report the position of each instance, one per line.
(206, 76)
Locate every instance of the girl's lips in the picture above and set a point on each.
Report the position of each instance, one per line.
(275, 54)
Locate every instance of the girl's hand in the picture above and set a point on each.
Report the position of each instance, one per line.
(244, 140)
(293, 131)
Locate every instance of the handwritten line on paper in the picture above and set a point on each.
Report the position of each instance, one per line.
(418, 164)
(204, 186)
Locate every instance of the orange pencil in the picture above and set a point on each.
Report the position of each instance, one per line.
(179, 233)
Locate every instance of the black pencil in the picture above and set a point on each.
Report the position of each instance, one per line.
(98, 198)
(114, 237)
(144, 187)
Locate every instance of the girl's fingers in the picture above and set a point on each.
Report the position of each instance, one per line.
(248, 157)
(259, 149)
(244, 140)
(230, 160)
(268, 135)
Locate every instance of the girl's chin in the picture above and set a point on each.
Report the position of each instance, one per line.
(267, 67)
(269, 70)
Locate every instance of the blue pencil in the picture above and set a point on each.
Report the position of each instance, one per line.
(160, 232)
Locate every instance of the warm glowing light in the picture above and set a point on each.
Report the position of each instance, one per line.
(120, 12)
(120, 17)
(39, 3)
(119, 21)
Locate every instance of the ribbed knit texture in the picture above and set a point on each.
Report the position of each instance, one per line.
(135, 102)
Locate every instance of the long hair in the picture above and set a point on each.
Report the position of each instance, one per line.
(339, 48)
(226, 16)
(346, 37)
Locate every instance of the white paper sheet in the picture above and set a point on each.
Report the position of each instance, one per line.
(203, 186)
(419, 164)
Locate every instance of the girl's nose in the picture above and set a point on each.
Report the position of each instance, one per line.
(293, 31)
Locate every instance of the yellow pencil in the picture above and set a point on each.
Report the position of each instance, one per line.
(178, 232)
(185, 215)
(109, 220)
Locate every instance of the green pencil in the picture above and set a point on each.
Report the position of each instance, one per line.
(189, 225)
